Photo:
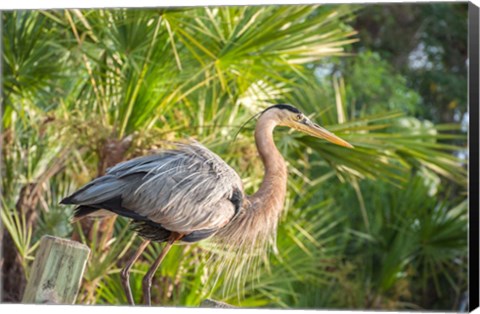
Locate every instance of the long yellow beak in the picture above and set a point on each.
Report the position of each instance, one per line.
(307, 126)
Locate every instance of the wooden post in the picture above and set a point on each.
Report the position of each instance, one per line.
(56, 272)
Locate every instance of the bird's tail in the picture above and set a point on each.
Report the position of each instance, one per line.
(101, 193)
(82, 211)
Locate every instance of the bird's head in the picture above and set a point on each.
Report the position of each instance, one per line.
(287, 115)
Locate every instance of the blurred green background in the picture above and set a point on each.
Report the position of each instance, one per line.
(383, 226)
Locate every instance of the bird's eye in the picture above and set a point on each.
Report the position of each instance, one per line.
(299, 117)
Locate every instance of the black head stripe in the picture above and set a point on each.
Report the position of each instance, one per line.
(284, 107)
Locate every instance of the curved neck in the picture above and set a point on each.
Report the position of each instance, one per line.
(256, 228)
(271, 195)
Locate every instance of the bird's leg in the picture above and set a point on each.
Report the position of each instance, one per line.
(125, 274)
(147, 280)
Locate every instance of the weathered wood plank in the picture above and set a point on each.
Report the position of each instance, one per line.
(213, 303)
(56, 272)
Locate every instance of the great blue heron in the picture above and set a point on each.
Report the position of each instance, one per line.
(189, 193)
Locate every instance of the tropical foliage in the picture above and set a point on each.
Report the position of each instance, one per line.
(381, 226)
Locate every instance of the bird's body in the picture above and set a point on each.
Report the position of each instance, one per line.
(189, 193)
(170, 191)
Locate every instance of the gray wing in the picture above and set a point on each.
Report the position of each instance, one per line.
(186, 189)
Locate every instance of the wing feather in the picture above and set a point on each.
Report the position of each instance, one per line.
(186, 189)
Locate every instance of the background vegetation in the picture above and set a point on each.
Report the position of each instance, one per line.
(383, 226)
